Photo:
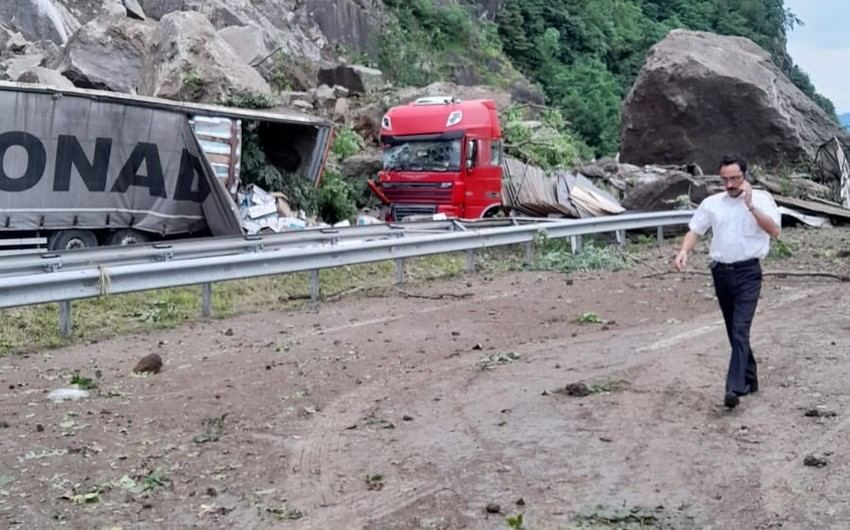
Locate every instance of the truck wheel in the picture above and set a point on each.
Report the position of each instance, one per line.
(127, 236)
(71, 240)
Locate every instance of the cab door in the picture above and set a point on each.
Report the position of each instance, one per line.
(483, 176)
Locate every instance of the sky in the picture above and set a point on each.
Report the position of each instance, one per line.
(821, 47)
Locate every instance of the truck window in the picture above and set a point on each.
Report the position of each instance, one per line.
(496, 153)
(423, 156)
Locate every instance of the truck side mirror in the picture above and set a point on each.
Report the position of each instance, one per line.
(471, 153)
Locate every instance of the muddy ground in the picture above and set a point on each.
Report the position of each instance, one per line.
(409, 409)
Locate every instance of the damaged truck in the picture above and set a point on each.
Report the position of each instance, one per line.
(81, 168)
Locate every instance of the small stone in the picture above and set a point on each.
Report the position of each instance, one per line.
(407, 418)
(228, 332)
(814, 461)
(520, 502)
(493, 508)
(39, 427)
(211, 492)
(149, 364)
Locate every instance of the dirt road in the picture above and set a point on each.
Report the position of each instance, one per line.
(399, 412)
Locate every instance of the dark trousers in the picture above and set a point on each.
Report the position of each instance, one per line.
(738, 286)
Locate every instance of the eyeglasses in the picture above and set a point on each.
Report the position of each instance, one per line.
(733, 178)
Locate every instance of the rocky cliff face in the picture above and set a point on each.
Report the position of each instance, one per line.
(153, 47)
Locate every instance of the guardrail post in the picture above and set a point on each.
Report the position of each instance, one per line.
(529, 253)
(659, 234)
(621, 237)
(399, 271)
(575, 244)
(470, 260)
(66, 322)
(315, 286)
(206, 299)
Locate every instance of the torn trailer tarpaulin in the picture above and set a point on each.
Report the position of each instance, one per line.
(90, 159)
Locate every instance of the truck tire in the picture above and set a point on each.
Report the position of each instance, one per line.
(126, 236)
(71, 240)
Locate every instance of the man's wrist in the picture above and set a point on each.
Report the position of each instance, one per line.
(751, 207)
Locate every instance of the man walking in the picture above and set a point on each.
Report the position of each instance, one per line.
(742, 221)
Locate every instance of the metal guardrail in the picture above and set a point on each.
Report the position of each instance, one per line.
(48, 261)
(97, 279)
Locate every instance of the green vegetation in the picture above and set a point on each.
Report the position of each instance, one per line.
(557, 255)
(584, 54)
(427, 40)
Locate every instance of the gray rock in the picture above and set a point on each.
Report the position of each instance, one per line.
(353, 23)
(134, 9)
(356, 78)
(247, 41)
(341, 109)
(113, 8)
(288, 97)
(701, 95)
(657, 192)
(302, 105)
(45, 76)
(325, 98)
(108, 53)
(191, 61)
(5, 35)
(16, 43)
(367, 163)
(17, 65)
(149, 364)
(39, 19)
(156, 9)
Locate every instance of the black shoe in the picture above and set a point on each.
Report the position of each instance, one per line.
(753, 387)
(731, 400)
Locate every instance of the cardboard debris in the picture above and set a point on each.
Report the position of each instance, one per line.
(264, 211)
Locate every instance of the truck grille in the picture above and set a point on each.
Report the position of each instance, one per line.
(418, 192)
(400, 211)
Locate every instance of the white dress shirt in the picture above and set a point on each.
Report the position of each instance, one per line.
(736, 235)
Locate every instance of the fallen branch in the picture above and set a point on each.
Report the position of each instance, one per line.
(432, 297)
(639, 261)
(798, 274)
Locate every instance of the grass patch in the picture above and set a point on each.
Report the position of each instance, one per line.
(557, 255)
(36, 327)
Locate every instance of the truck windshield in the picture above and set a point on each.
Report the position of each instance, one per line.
(423, 156)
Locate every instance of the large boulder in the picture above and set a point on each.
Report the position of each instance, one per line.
(108, 53)
(249, 42)
(39, 19)
(701, 95)
(191, 61)
(357, 79)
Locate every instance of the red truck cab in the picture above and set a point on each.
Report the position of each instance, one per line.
(441, 155)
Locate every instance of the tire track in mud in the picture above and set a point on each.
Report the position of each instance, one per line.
(319, 450)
